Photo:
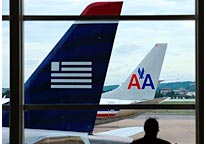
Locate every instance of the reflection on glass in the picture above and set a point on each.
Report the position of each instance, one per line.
(63, 139)
(59, 125)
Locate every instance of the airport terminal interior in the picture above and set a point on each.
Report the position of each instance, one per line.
(90, 72)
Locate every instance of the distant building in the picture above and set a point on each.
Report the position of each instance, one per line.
(165, 90)
(191, 94)
(183, 94)
(181, 91)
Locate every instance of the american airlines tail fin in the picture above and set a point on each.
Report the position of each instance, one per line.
(73, 73)
(142, 82)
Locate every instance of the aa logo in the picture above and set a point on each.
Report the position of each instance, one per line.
(135, 78)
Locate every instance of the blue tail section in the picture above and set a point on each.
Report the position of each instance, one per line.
(72, 73)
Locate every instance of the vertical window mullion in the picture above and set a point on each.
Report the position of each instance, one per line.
(199, 53)
(16, 73)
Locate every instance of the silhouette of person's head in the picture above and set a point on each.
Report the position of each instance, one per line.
(151, 127)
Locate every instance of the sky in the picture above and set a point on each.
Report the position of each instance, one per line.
(134, 39)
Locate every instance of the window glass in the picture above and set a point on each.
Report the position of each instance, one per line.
(5, 57)
(40, 38)
(130, 7)
(135, 39)
(5, 79)
(5, 7)
(132, 43)
(5, 134)
(175, 126)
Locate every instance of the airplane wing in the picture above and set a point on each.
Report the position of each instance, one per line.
(38, 136)
(123, 132)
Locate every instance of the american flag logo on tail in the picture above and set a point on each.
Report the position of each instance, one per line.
(71, 75)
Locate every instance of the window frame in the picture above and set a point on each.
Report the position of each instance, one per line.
(17, 106)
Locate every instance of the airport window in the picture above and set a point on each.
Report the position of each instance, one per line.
(31, 34)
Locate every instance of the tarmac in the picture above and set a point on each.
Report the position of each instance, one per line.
(175, 128)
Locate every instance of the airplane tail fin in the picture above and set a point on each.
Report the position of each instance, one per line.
(73, 72)
(143, 81)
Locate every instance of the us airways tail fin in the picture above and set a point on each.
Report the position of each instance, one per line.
(142, 82)
(73, 73)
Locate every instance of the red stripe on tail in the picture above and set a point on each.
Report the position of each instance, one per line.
(103, 8)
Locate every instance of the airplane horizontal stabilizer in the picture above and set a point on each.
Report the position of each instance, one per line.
(123, 132)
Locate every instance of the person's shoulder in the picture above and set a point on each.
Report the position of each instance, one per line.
(138, 141)
(161, 141)
(156, 141)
